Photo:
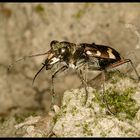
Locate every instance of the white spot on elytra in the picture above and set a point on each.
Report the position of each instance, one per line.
(98, 53)
(90, 53)
(111, 55)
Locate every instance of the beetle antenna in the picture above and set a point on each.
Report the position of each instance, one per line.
(11, 65)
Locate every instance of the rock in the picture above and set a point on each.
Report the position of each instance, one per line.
(76, 120)
(38, 126)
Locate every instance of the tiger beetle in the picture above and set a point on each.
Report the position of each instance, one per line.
(77, 56)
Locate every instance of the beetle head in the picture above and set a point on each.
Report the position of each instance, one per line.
(59, 52)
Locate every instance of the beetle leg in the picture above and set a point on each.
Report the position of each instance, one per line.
(124, 74)
(52, 87)
(83, 79)
(103, 93)
(122, 62)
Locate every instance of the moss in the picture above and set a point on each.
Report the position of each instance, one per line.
(56, 117)
(74, 110)
(103, 134)
(20, 117)
(67, 100)
(86, 129)
(81, 11)
(122, 103)
(98, 99)
(79, 14)
(128, 130)
(62, 126)
(114, 76)
(39, 8)
(62, 112)
(119, 100)
(77, 125)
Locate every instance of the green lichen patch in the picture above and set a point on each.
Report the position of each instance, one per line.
(74, 110)
(115, 76)
(39, 8)
(97, 99)
(118, 96)
(7, 127)
(79, 14)
(103, 134)
(62, 112)
(56, 117)
(122, 103)
(86, 129)
(81, 11)
(21, 117)
(92, 120)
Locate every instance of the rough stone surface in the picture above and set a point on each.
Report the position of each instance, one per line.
(76, 120)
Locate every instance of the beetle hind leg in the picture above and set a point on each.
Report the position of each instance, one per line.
(103, 93)
(123, 61)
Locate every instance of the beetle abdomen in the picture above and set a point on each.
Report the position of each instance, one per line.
(101, 51)
(107, 52)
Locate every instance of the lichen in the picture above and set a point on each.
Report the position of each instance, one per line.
(122, 103)
(74, 110)
(20, 117)
(81, 11)
(86, 129)
(39, 8)
(114, 76)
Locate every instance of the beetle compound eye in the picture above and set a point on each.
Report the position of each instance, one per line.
(54, 44)
(62, 51)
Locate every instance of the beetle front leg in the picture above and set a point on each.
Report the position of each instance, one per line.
(52, 87)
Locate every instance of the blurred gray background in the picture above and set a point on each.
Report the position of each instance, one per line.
(28, 28)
